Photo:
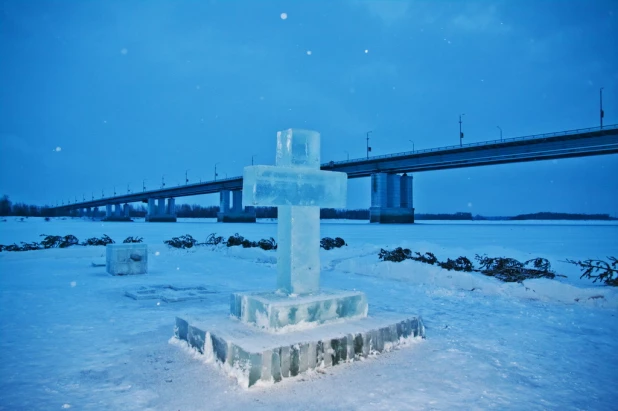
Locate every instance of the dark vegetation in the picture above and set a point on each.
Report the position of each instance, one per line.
(7, 208)
(187, 241)
(264, 244)
(130, 240)
(57, 241)
(561, 216)
(105, 240)
(184, 241)
(328, 243)
(599, 270)
(504, 269)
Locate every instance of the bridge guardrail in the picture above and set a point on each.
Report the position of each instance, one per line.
(482, 143)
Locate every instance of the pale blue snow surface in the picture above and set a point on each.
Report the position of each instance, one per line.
(70, 338)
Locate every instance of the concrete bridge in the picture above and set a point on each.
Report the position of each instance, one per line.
(391, 193)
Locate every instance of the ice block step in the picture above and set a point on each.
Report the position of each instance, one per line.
(274, 311)
(266, 357)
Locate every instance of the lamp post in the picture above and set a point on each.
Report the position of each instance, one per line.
(500, 132)
(163, 181)
(254, 155)
(186, 176)
(216, 171)
(368, 148)
(128, 188)
(461, 134)
(602, 114)
(114, 191)
(412, 145)
(102, 194)
(143, 185)
(92, 195)
(345, 151)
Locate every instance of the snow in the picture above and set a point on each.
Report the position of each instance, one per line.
(70, 338)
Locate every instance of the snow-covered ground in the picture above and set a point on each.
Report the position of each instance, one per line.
(70, 339)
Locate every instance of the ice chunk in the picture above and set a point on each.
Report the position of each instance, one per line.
(126, 259)
(298, 148)
(278, 186)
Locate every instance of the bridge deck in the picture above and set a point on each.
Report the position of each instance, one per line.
(566, 144)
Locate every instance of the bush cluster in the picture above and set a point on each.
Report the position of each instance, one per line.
(184, 241)
(504, 269)
(264, 244)
(599, 270)
(57, 241)
(187, 241)
(328, 243)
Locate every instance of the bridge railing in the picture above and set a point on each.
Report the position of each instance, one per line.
(482, 143)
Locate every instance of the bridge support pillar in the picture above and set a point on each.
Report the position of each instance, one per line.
(160, 212)
(118, 213)
(391, 199)
(238, 213)
(127, 210)
(171, 206)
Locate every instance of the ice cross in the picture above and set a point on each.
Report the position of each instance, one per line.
(298, 187)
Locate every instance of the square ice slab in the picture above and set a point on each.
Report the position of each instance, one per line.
(127, 259)
(277, 311)
(251, 355)
(168, 293)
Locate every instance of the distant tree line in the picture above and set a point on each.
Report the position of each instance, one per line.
(561, 216)
(7, 208)
(444, 216)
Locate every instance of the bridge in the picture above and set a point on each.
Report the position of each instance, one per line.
(391, 193)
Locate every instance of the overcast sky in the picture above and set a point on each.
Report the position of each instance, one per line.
(101, 93)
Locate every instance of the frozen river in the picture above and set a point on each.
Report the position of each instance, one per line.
(71, 339)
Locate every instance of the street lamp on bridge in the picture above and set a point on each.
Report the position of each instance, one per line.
(143, 185)
(461, 134)
(500, 132)
(254, 155)
(187, 176)
(216, 171)
(602, 114)
(128, 189)
(163, 181)
(114, 191)
(412, 145)
(368, 148)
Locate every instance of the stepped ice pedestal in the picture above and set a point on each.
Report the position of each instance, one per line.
(298, 326)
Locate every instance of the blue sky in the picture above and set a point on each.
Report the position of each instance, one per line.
(134, 90)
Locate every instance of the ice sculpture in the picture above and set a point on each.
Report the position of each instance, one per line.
(298, 326)
(299, 188)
